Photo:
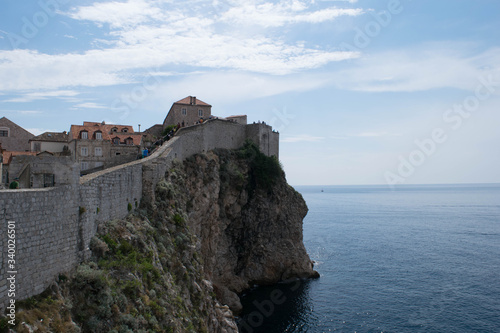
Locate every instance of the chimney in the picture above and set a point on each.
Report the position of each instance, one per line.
(193, 100)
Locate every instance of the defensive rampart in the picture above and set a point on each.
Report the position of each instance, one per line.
(54, 226)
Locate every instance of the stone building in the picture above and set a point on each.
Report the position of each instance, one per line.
(13, 137)
(187, 111)
(52, 142)
(240, 119)
(44, 169)
(98, 146)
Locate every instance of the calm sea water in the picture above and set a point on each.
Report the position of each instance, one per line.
(418, 259)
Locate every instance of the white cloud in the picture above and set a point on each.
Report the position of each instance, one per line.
(89, 105)
(428, 67)
(301, 138)
(29, 97)
(285, 12)
(118, 14)
(230, 87)
(29, 112)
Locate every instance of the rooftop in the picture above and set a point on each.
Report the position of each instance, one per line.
(52, 137)
(192, 100)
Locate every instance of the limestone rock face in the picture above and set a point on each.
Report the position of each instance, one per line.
(247, 219)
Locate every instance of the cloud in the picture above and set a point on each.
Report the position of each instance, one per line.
(145, 34)
(285, 12)
(29, 97)
(118, 14)
(424, 68)
(230, 87)
(301, 138)
(89, 105)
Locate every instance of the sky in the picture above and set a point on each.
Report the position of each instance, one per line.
(361, 91)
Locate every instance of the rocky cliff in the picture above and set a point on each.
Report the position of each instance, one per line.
(222, 222)
(246, 218)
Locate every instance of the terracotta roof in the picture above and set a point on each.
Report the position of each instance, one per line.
(124, 136)
(52, 137)
(187, 101)
(8, 155)
(105, 129)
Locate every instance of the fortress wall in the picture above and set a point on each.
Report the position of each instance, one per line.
(46, 222)
(54, 226)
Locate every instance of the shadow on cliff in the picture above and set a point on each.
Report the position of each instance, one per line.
(246, 218)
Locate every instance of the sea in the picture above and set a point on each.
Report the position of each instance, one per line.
(416, 258)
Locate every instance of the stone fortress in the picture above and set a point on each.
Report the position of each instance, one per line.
(54, 225)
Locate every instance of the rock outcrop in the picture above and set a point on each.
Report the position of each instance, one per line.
(246, 218)
(222, 222)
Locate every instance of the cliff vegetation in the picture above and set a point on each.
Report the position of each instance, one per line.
(221, 222)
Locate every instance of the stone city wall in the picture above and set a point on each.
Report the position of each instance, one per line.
(54, 226)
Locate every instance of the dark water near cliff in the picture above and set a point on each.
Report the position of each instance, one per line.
(418, 259)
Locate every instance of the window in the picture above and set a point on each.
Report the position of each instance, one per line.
(84, 135)
(85, 165)
(114, 129)
(116, 141)
(4, 132)
(48, 180)
(200, 113)
(98, 135)
(129, 141)
(37, 146)
(184, 111)
(84, 151)
(124, 130)
(98, 151)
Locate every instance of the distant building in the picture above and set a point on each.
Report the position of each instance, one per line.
(187, 111)
(99, 145)
(45, 169)
(13, 137)
(242, 119)
(52, 142)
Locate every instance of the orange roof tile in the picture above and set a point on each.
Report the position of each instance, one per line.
(124, 136)
(8, 155)
(105, 129)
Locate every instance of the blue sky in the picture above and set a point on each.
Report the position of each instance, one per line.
(362, 92)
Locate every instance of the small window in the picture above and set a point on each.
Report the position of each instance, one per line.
(124, 130)
(116, 141)
(129, 141)
(84, 151)
(98, 135)
(98, 151)
(184, 111)
(200, 113)
(48, 180)
(4, 132)
(84, 135)
(38, 146)
(85, 165)
(114, 129)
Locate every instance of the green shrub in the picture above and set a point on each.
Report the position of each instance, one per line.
(264, 170)
(178, 220)
(168, 129)
(129, 206)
